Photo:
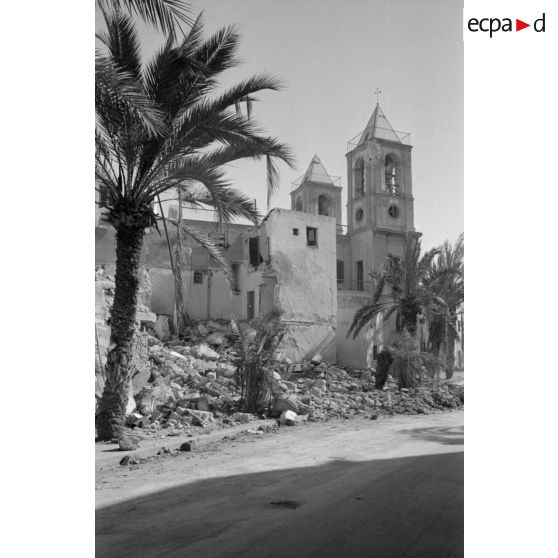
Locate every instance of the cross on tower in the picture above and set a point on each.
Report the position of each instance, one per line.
(377, 93)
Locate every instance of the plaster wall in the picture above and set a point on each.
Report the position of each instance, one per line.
(359, 353)
(306, 285)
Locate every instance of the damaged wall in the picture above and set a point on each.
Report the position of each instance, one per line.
(206, 291)
(303, 262)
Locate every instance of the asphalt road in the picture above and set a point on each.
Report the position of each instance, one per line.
(388, 488)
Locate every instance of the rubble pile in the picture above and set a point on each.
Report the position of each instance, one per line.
(330, 392)
(193, 382)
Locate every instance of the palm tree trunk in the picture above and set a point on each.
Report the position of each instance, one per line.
(450, 351)
(123, 317)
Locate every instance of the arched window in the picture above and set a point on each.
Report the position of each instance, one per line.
(324, 204)
(392, 178)
(298, 204)
(359, 178)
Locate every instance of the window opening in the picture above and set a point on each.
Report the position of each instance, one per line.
(311, 236)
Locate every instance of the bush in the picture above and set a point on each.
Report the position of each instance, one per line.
(256, 356)
(412, 367)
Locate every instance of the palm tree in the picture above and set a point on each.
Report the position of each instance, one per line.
(410, 294)
(446, 280)
(164, 15)
(161, 126)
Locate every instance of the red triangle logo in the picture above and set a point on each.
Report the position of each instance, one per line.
(519, 25)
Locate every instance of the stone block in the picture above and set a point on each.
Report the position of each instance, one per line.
(215, 339)
(192, 445)
(202, 404)
(226, 370)
(127, 442)
(161, 328)
(288, 418)
(203, 351)
(290, 403)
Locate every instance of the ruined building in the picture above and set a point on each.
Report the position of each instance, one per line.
(304, 261)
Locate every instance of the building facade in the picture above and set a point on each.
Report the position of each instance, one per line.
(303, 262)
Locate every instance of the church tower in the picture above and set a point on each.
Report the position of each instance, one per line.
(379, 198)
(317, 192)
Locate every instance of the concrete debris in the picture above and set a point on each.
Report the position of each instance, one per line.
(288, 418)
(189, 446)
(203, 351)
(127, 442)
(161, 328)
(130, 460)
(194, 383)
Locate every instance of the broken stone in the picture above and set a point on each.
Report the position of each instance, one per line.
(281, 404)
(146, 317)
(316, 359)
(201, 418)
(201, 330)
(192, 445)
(127, 442)
(203, 351)
(161, 328)
(226, 370)
(215, 340)
(129, 460)
(242, 417)
(140, 379)
(288, 418)
(202, 404)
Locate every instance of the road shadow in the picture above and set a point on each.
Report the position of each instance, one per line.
(406, 507)
(447, 435)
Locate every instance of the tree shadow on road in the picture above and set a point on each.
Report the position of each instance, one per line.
(448, 435)
(403, 507)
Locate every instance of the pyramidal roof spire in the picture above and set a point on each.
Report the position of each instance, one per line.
(316, 172)
(379, 127)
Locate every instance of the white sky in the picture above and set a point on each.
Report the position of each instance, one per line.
(331, 56)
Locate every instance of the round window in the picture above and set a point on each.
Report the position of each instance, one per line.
(393, 211)
(359, 214)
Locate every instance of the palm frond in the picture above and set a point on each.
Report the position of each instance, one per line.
(211, 248)
(165, 15)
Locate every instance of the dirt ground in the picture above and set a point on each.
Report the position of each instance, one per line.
(390, 487)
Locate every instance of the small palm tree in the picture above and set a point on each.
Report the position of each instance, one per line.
(410, 294)
(161, 126)
(446, 280)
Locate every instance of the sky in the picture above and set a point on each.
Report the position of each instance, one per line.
(330, 57)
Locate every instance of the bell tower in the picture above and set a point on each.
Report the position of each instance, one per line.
(317, 192)
(379, 198)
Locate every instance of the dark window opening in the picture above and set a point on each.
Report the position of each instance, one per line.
(311, 236)
(236, 276)
(295, 232)
(198, 277)
(250, 302)
(298, 204)
(173, 212)
(360, 275)
(359, 214)
(391, 175)
(340, 271)
(324, 204)
(254, 251)
(359, 178)
(393, 211)
(375, 352)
